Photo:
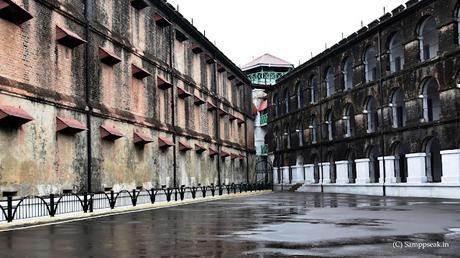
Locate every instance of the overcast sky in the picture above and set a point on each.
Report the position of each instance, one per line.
(289, 29)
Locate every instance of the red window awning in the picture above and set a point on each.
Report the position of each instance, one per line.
(240, 121)
(212, 152)
(180, 36)
(199, 148)
(241, 157)
(182, 93)
(14, 13)
(110, 133)
(163, 84)
(142, 138)
(161, 21)
(107, 57)
(14, 116)
(263, 105)
(69, 125)
(211, 107)
(220, 68)
(139, 4)
(224, 154)
(68, 38)
(184, 146)
(198, 100)
(196, 48)
(233, 156)
(164, 142)
(210, 59)
(222, 112)
(231, 117)
(138, 72)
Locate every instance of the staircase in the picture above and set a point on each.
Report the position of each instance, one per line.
(294, 187)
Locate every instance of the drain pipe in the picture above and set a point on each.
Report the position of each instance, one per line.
(246, 137)
(88, 15)
(173, 107)
(217, 128)
(382, 135)
(321, 135)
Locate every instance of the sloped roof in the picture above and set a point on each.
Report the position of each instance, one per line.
(267, 60)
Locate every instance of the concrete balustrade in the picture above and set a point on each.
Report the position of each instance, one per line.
(309, 173)
(286, 177)
(276, 177)
(326, 166)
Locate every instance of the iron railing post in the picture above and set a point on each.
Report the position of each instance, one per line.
(134, 198)
(10, 208)
(85, 203)
(52, 208)
(112, 199)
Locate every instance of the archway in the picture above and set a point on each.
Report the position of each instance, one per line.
(433, 163)
(374, 170)
(399, 151)
(351, 166)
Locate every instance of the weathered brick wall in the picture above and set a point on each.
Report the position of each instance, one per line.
(47, 79)
(444, 69)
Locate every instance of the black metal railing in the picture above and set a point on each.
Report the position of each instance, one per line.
(40, 206)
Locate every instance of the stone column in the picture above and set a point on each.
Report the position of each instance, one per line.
(297, 174)
(285, 171)
(450, 166)
(416, 168)
(275, 176)
(309, 176)
(341, 168)
(326, 172)
(362, 171)
(390, 170)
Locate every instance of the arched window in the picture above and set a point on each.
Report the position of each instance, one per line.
(314, 129)
(299, 94)
(351, 167)
(286, 101)
(347, 71)
(313, 89)
(276, 137)
(330, 125)
(458, 25)
(370, 64)
(428, 39)
(299, 131)
(287, 137)
(396, 53)
(374, 170)
(276, 102)
(430, 100)
(397, 112)
(433, 163)
(371, 114)
(348, 120)
(330, 87)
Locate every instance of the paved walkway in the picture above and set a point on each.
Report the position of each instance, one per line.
(275, 224)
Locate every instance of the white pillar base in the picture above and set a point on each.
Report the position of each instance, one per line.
(341, 168)
(309, 174)
(390, 170)
(450, 166)
(297, 174)
(326, 172)
(416, 168)
(362, 171)
(276, 177)
(285, 178)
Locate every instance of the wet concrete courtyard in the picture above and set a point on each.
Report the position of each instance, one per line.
(269, 225)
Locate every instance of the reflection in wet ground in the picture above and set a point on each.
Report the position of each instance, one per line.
(270, 225)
